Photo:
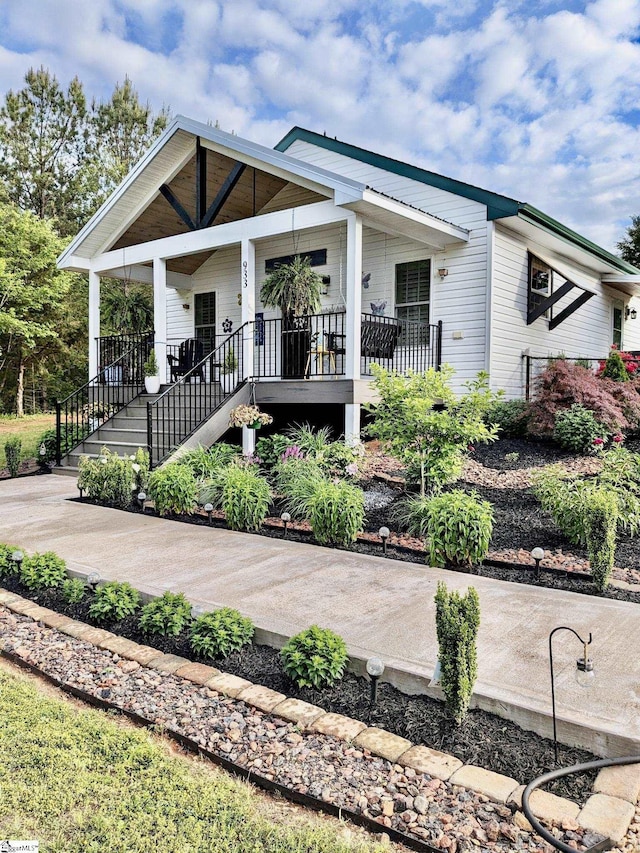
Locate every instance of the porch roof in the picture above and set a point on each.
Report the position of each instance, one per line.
(174, 149)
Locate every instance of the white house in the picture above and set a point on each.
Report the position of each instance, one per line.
(419, 269)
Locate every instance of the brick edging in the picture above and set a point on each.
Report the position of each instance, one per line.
(608, 811)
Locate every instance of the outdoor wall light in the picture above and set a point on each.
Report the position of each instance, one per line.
(375, 668)
(584, 675)
(208, 508)
(285, 518)
(93, 579)
(142, 496)
(538, 554)
(383, 533)
(630, 312)
(17, 557)
(443, 272)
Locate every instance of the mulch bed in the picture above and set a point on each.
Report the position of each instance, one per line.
(483, 739)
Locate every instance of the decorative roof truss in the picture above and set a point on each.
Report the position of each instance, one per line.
(542, 294)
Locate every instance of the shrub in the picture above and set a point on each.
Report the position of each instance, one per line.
(457, 623)
(73, 590)
(140, 467)
(563, 496)
(206, 462)
(245, 498)
(336, 512)
(12, 449)
(173, 489)
(313, 442)
(600, 521)
(269, 449)
(108, 478)
(341, 459)
(576, 429)
(316, 658)
(217, 634)
(295, 480)
(114, 601)
(8, 566)
(69, 436)
(412, 514)
(166, 616)
(459, 528)
(510, 416)
(43, 571)
(614, 368)
(621, 474)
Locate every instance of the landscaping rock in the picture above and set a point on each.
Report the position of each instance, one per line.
(493, 785)
(338, 726)
(607, 816)
(622, 782)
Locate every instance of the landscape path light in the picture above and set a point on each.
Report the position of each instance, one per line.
(384, 533)
(584, 674)
(538, 554)
(93, 579)
(17, 557)
(285, 518)
(142, 496)
(208, 508)
(375, 668)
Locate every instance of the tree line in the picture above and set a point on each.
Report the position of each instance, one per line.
(61, 156)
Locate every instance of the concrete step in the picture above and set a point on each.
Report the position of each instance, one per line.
(65, 470)
(109, 435)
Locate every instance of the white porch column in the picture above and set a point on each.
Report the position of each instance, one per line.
(248, 315)
(94, 322)
(353, 322)
(160, 315)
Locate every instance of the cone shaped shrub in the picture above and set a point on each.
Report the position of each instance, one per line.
(600, 521)
(457, 623)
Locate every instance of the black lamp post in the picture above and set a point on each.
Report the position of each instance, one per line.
(375, 668)
(584, 675)
(537, 554)
(17, 557)
(208, 508)
(384, 533)
(285, 518)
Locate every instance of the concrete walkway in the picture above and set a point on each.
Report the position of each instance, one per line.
(379, 606)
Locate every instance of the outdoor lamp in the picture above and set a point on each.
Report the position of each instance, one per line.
(17, 557)
(93, 579)
(42, 451)
(142, 496)
(81, 490)
(383, 533)
(197, 610)
(630, 312)
(538, 554)
(285, 518)
(584, 675)
(375, 668)
(208, 508)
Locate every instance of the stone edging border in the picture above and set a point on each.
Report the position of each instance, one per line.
(608, 811)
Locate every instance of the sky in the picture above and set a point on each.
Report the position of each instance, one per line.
(539, 100)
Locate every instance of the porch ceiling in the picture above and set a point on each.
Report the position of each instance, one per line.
(253, 191)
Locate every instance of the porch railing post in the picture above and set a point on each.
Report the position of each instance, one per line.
(58, 434)
(150, 434)
(439, 346)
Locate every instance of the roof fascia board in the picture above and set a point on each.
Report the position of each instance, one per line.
(419, 216)
(497, 205)
(144, 275)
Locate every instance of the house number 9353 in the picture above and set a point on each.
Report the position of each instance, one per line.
(245, 274)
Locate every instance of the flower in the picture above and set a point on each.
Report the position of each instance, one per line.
(135, 466)
(470, 448)
(351, 469)
(244, 415)
(618, 438)
(292, 452)
(598, 441)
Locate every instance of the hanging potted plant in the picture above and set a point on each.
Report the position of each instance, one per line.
(249, 416)
(295, 289)
(229, 372)
(151, 375)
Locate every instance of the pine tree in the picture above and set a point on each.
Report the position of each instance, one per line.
(630, 245)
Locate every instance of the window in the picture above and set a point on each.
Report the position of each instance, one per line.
(617, 315)
(205, 320)
(540, 283)
(413, 291)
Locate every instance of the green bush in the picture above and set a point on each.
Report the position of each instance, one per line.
(621, 474)
(12, 450)
(173, 489)
(316, 658)
(313, 442)
(73, 590)
(114, 601)
(217, 634)
(600, 521)
(459, 527)
(576, 429)
(108, 479)
(166, 616)
(206, 462)
(510, 416)
(8, 566)
(296, 480)
(140, 467)
(336, 512)
(43, 571)
(563, 498)
(614, 367)
(269, 449)
(69, 436)
(412, 515)
(245, 497)
(457, 623)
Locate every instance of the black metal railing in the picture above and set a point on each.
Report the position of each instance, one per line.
(535, 365)
(112, 349)
(180, 410)
(87, 408)
(299, 347)
(402, 345)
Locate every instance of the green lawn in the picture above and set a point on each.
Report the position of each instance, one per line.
(80, 782)
(29, 428)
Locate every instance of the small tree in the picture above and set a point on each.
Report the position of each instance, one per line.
(426, 426)
(614, 367)
(600, 523)
(457, 623)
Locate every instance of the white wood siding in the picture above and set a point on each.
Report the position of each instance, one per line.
(586, 333)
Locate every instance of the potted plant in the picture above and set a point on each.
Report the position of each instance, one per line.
(229, 372)
(295, 289)
(151, 376)
(249, 416)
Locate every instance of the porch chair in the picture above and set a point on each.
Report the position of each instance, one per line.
(377, 340)
(190, 353)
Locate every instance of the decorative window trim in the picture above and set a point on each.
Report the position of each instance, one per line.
(317, 258)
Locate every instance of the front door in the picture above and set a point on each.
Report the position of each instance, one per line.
(205, 321)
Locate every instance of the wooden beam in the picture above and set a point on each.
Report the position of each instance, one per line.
(201, 182)
(556, 296)
(223, 194)
(179, 209)
(568, 311)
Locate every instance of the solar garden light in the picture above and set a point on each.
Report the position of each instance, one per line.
(584, 674)
(93, 579)
(538, 554)
(285, 518)
(142, 496)
(197, 610)
(17, 557)
(383, 533)
(81, 490)
(42, 452)
(375, 668)
(208, 508)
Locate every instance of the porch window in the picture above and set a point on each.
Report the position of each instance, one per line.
(413, 291)
(205, 321)
(540, 283)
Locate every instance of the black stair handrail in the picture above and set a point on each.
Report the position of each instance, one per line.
(98, 400)
(184, 406)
